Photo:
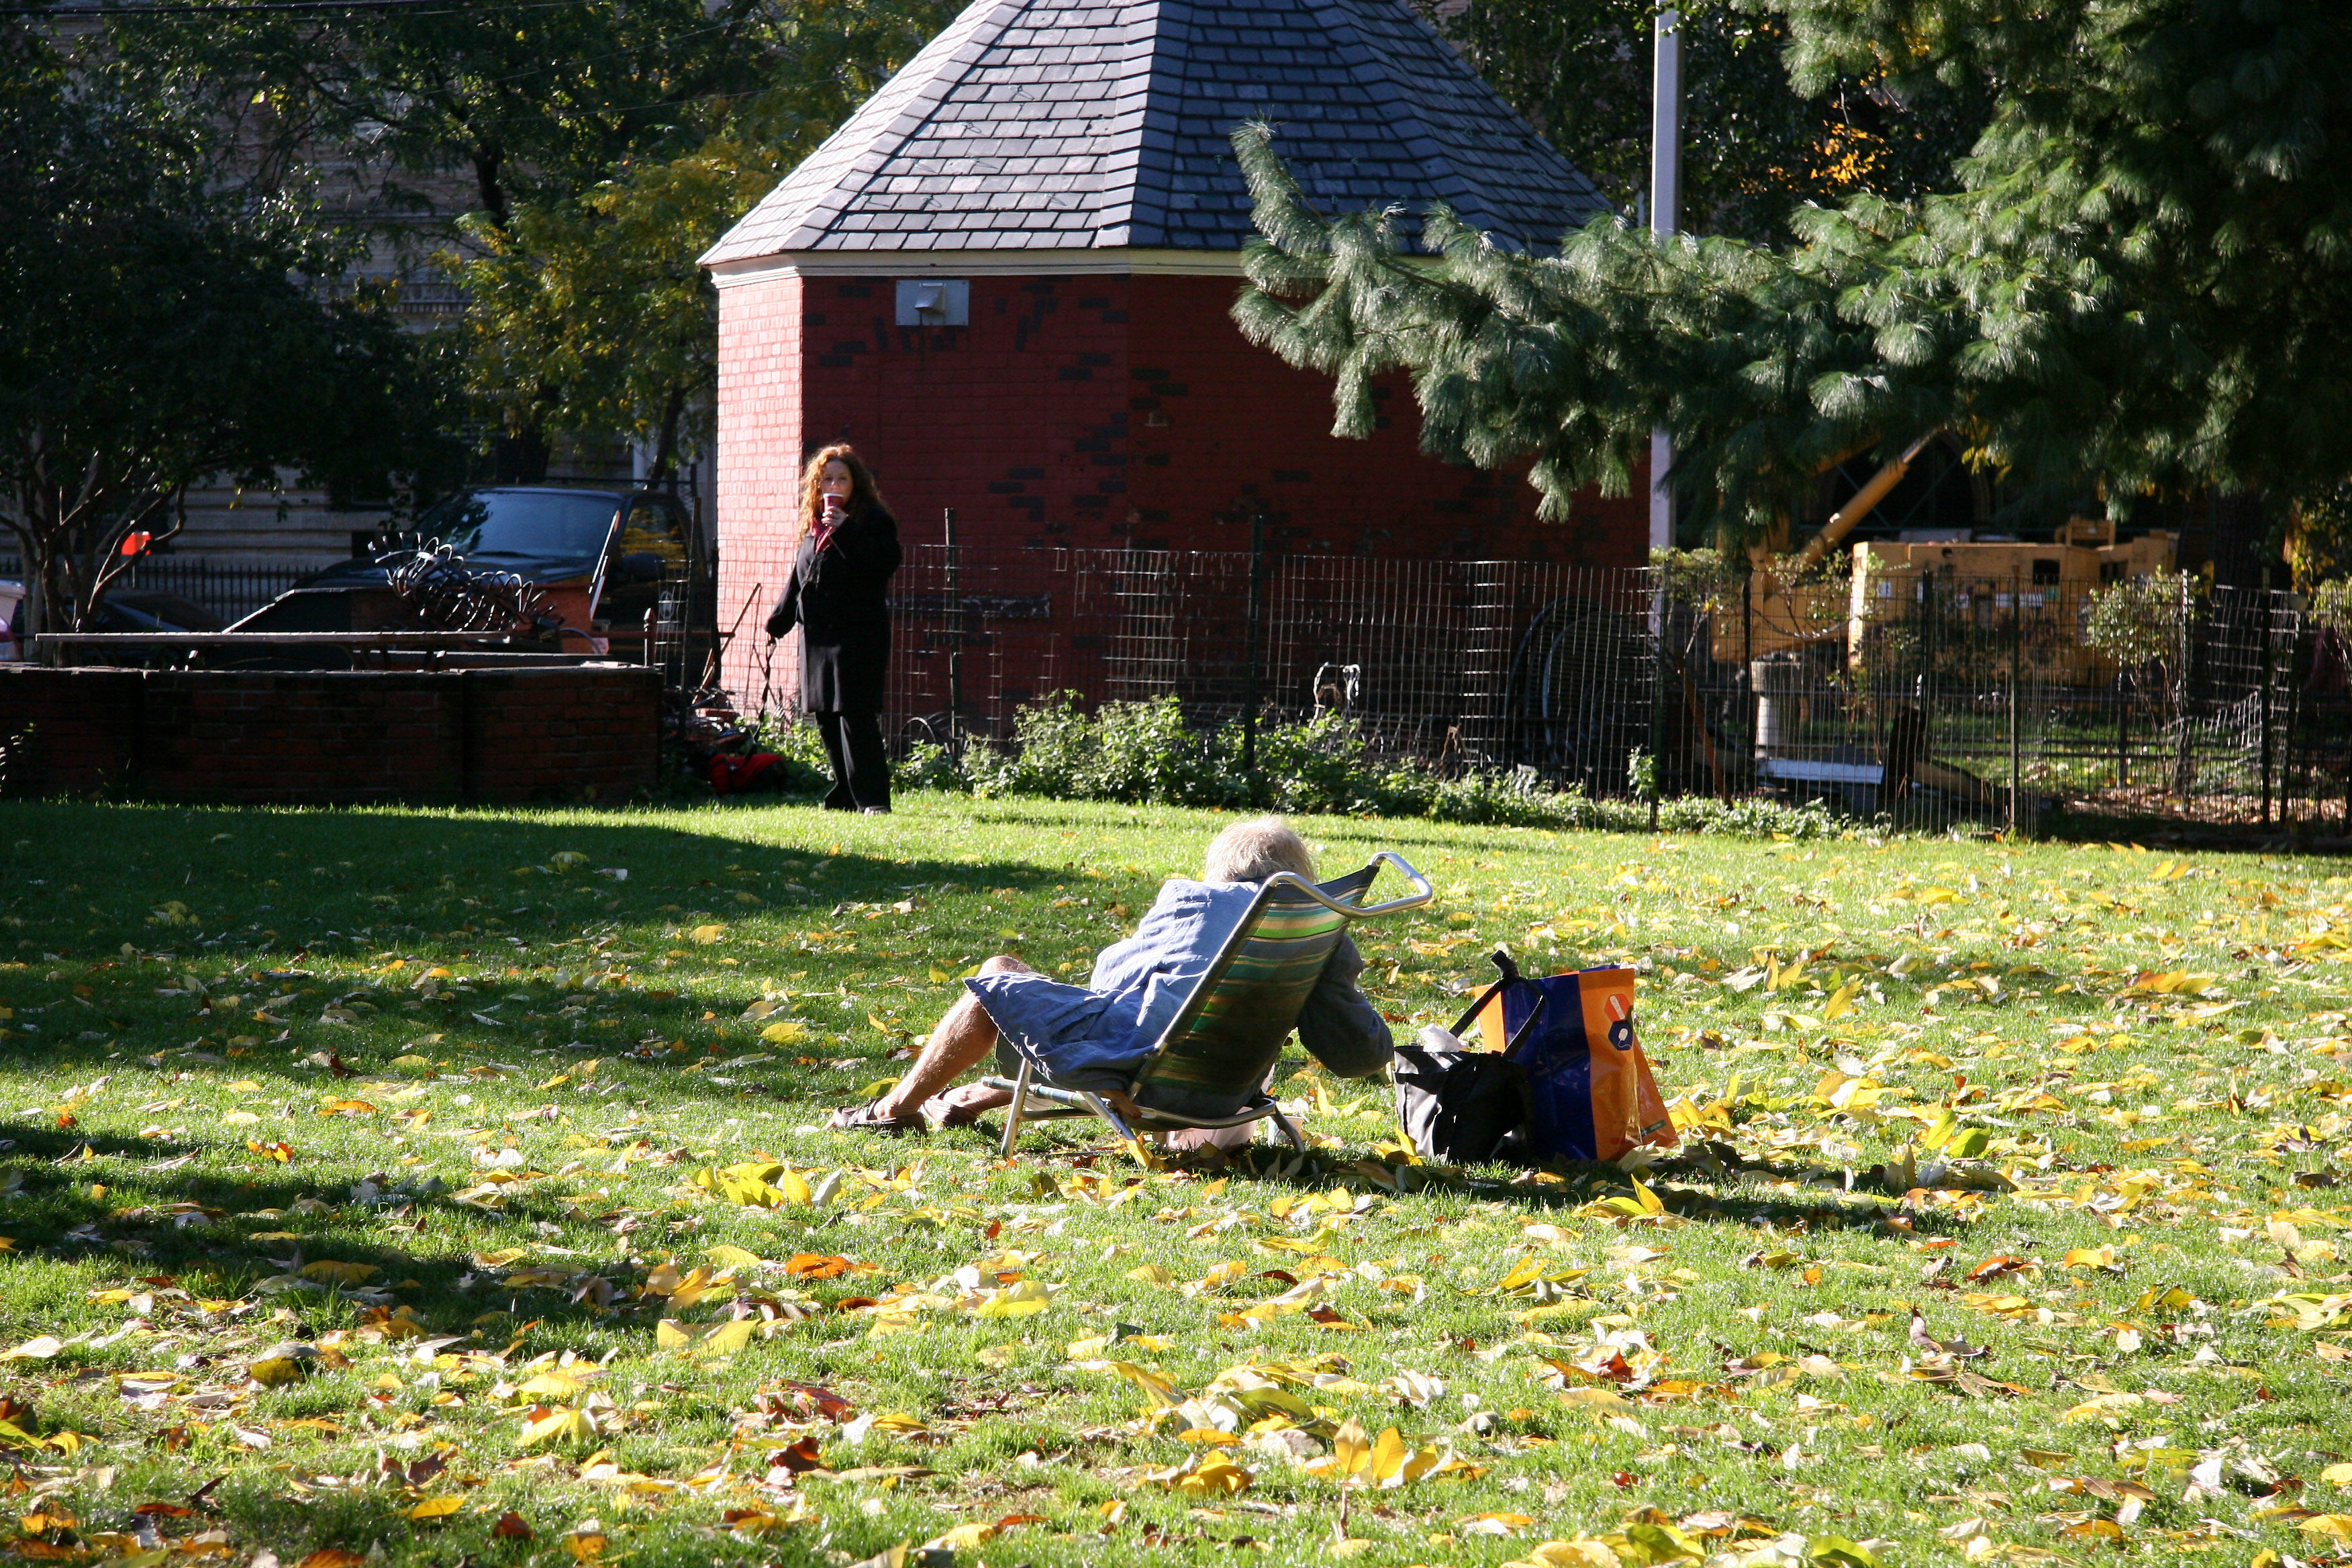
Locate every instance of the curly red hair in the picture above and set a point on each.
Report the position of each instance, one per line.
(863, 493)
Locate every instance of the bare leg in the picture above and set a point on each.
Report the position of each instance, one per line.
(963, 1039)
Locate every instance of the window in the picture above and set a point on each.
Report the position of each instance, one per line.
(655, 525)
(522, 522)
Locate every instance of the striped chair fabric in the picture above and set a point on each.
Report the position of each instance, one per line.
(1217, 1051)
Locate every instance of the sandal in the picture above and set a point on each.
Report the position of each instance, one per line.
(961, 1107)
(866, 1118)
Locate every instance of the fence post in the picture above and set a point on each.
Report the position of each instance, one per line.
(2016, 668)
(1257, 642)
(955, 639)
(2294, 607)
(2184, 763)
(2269, 657)
(2122, 729)
(1931, 615)
(1747, 666)
(1662, 699)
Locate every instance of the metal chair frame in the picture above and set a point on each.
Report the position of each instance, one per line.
(1129, 1120)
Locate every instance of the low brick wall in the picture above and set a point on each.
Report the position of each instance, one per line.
(319, 737)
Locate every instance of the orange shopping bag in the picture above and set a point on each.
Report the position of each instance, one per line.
(1594, 1096)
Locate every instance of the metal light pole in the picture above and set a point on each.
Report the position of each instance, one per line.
(1665, 203)
(1665, 211)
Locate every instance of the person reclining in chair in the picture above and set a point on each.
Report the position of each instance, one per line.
(1098, 1033)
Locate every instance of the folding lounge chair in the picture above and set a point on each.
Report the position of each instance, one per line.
(1209, 1067)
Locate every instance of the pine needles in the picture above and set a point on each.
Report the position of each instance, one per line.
(2142, 284)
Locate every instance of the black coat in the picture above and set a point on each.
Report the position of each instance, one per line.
(838, 599)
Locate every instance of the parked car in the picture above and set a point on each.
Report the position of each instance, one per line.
(122, 610)
(601, 556)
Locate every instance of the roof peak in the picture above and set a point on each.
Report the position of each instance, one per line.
(1060, 125)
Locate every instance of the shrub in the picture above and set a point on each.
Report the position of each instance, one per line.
(1141, 752)
(1054, 747)
(1753, 819)
(2143, 621)
(1315, 768)
(929, 765)
(1146, 753)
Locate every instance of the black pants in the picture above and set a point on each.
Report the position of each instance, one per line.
(861, 769)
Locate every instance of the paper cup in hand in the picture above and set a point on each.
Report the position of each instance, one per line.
(833, 507)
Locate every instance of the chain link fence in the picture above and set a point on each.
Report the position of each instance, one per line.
(1932, 700)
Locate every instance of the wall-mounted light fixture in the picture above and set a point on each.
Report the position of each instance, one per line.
(934, 303)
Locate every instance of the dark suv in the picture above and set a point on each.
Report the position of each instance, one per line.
(602, 556)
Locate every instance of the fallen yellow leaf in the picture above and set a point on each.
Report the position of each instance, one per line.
(1581, 1553)
(964, 1537)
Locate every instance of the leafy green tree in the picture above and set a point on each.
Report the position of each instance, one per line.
(2147, 625)
(1754, 147)
(509, 98)
(2319, 540)
(156, 330)
(599, 147)
(2141, 281)
(600, 298)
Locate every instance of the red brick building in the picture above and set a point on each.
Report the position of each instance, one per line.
(1007, 278)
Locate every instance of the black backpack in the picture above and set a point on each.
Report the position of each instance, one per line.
(1466, 1107)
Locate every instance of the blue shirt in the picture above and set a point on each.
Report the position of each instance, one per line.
(1095, 1036)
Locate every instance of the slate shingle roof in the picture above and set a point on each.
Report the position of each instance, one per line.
(1060, 124)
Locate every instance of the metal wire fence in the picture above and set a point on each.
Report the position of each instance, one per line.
(1932, 701)
(1418, 653)
(228, 592)
(2000, 699)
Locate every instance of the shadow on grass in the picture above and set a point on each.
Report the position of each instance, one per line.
(361, 886)
(186, 1232)
(1824, 1202)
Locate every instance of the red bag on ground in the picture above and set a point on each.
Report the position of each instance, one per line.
(741, 775)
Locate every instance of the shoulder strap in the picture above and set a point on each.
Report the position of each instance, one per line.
(1509, 977)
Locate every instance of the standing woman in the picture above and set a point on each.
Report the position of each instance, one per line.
(837, 596)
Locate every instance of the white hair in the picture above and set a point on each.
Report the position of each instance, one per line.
(1254, 850)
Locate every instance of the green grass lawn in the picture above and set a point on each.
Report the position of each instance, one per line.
(360, 1199)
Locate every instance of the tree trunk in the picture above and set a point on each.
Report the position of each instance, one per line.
(2237, 538)
(490, 180)
(33, 615)
(666, 444)
(520, 459)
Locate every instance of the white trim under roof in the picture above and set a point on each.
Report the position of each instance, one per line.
(1070, 262)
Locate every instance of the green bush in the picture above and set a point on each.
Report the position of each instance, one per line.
(931, 766)
(1318, 768)
(1055, 746)
(1752, 818)
(1146, 753)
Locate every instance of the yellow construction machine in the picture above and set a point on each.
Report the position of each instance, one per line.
(1789, 606)
(1796, 627)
